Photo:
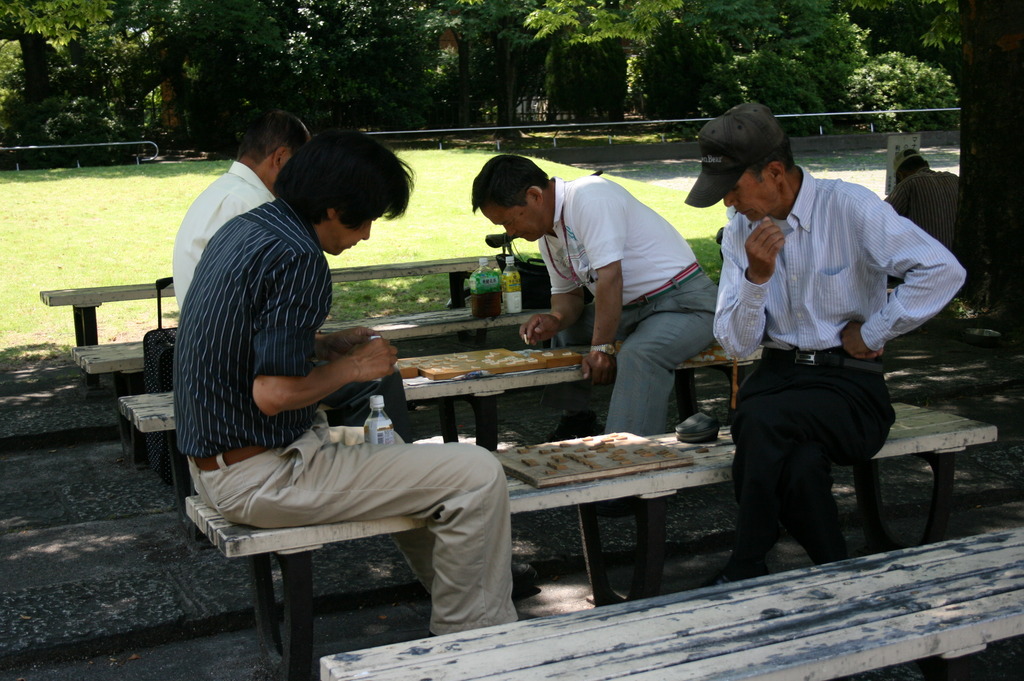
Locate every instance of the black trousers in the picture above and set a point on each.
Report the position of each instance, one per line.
(792, 423)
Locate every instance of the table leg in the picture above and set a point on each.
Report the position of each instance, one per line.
(686, 393)
(649, 555)
(133, 445)
(942, 669)
(869, 500)
(449, 428)
(86, 334)
(485, 414)
(292, 644)
(183, 487)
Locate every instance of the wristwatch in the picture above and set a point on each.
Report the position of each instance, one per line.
(607, 348)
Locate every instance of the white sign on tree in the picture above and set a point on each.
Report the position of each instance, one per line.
(896, 144)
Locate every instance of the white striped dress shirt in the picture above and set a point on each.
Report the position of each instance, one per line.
(260, 293)
(842, 244)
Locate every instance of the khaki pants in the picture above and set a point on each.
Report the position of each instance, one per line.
(463, 554)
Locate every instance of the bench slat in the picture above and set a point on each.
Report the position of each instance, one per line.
(834, 620)
(128, 357)
(97, 295)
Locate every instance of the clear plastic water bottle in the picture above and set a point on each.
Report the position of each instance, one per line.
(378, 429)
(511, 288)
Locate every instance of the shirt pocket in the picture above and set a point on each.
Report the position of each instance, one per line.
(834, 294)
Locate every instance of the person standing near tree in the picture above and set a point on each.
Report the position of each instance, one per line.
(928, 198)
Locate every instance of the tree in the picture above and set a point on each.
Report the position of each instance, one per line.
(36, 24)
(572, 71)
(990, 225)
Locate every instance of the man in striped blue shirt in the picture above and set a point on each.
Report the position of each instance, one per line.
(805, 270)
(251, 368)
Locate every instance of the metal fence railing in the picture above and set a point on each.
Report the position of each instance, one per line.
(669, 121)
(138, 157)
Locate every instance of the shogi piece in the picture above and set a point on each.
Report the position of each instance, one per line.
(497, 361)
(557, 357)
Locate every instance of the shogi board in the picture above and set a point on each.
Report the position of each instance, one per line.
(497, 361)
(556, 357)
(589, 458)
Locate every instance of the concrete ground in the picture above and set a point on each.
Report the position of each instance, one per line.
(97, 581)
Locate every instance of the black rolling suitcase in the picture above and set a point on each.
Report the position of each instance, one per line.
(158, 377)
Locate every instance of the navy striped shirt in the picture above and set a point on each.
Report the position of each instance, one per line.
(260, 293)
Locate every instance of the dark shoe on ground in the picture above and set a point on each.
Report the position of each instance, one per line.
(580, 424)
(698, 428)
(523, 577)
(718, 579)
(757, 570)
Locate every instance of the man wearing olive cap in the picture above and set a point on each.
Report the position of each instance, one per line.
(805, 268)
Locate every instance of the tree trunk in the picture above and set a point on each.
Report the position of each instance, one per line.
(465, 118)
(506, 86)
(37, 70)
(990, 224)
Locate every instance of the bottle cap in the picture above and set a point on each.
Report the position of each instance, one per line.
(376, 401)
(483, 262)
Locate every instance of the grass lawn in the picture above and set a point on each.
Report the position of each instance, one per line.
(78, 227)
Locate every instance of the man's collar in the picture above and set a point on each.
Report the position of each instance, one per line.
(804, 203)
(559, 200)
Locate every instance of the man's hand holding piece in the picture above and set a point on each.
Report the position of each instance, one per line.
(331, 346)
(539, 328)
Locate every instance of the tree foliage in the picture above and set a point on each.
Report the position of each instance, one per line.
(59, 21)
(894, 81)
(194, 71)
(574, 69)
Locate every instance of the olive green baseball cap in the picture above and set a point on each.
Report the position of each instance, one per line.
(729, 144)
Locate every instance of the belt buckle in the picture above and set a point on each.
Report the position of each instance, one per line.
(808, 358)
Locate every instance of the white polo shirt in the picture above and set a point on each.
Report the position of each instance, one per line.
(237, 191)
(598, 222)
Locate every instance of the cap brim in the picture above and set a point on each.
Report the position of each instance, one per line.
(710, 188)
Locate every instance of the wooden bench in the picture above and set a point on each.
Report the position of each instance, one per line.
(933, 435)
(937, 605)
(84, 301)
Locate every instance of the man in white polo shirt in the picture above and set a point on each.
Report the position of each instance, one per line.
(649, 292)
(267, 145)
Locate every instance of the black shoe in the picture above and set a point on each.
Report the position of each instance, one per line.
(523, 577)
(718, 579)
(698, 428)
(756, 570)
(580, 424)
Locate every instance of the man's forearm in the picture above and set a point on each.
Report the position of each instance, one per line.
(276, 394)
(607, 304)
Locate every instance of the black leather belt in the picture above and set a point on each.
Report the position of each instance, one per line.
(833, 357)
